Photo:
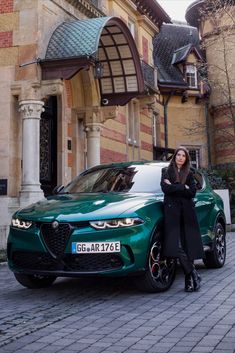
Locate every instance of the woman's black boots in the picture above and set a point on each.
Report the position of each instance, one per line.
(196, 280)
(192, 281)
(188, 283)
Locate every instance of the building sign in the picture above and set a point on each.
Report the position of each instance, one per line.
(3, 187)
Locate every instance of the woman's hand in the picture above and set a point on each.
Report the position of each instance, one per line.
(167, 181)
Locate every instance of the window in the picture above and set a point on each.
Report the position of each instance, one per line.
(195, 157)
(133, 124)
(156, 129)
(191, 75)
(199, 181)
(151, 54)
(145, 49)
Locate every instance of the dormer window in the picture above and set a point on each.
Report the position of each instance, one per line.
(191, 75)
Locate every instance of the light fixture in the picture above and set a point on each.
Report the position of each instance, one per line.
(98, 70)
(19, 223)
(116, 223)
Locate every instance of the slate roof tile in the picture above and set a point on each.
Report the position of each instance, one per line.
(172, 38)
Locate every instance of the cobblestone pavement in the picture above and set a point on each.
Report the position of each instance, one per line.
(101, 315)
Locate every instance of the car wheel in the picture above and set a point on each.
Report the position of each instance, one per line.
(160, 273)
(34, 281)
(216, 257)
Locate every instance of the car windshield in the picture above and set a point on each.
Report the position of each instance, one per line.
(134, 178)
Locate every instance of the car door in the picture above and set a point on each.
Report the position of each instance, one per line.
(204, 203)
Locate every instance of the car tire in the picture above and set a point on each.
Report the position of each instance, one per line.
(216, 257)
(34, 281)
(160, 272)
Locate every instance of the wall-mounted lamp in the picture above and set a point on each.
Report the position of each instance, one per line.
(98, 70)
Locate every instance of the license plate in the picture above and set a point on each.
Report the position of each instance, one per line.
(97, 247)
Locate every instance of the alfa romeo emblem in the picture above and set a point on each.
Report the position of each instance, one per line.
(55, 225)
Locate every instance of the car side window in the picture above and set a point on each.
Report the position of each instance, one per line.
(198, 178)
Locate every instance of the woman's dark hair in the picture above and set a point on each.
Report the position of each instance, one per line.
(182, 176)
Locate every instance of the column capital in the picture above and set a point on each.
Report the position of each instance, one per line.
(93, 127)
(31, 109)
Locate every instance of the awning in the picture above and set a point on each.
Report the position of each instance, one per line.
(105, 43)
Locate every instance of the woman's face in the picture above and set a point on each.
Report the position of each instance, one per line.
(180, 158)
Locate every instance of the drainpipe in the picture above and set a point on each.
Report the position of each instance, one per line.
(208, 133)
(166, 118)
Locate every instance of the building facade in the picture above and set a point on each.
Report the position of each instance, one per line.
(178, 57)
(216, 24)
(78, 89)
(84, 83)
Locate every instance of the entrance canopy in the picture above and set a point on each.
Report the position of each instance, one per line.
(106, 44)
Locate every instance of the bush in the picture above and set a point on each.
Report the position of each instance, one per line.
(223, 179)
(216, 179)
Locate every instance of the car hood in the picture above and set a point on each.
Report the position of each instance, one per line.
(77, 207)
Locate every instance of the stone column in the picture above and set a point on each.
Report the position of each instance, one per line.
(31, 113)
(93, 143)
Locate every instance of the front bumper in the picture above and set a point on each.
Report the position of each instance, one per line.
(39, 250)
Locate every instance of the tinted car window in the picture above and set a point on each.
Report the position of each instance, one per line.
(135, 178)
(198, 180)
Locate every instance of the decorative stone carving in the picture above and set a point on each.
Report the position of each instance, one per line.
(110, 112)
(52, 88)
(97, 114)
(31, 109)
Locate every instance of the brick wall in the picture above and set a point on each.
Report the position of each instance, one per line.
(6, 39)
(8, 24)
(6, 6)
(113, 140)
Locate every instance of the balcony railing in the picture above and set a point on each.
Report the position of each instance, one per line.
(150, 76)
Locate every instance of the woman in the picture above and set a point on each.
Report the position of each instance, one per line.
(182, 237)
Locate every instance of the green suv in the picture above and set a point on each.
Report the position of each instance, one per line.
(108, 222)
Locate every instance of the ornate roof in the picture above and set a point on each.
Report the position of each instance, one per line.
(76, 39)
(171, 46)
(105, 41)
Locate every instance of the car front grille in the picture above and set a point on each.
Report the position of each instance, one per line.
(56, 239)
(68, 263)
(93, 262)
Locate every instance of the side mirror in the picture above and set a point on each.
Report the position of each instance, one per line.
(57, 189)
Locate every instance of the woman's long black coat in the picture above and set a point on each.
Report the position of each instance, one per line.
(180, 220)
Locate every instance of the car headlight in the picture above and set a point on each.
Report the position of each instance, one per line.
(19, 223)
(116, 223)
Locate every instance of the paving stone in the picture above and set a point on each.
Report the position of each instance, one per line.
(106, 315)
(202, 350)
(180, 349)
(33, 347)
(226, 345)
(223, 351)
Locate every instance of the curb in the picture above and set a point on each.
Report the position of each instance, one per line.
(230, 227)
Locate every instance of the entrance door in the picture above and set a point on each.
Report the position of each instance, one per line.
(48, 146)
